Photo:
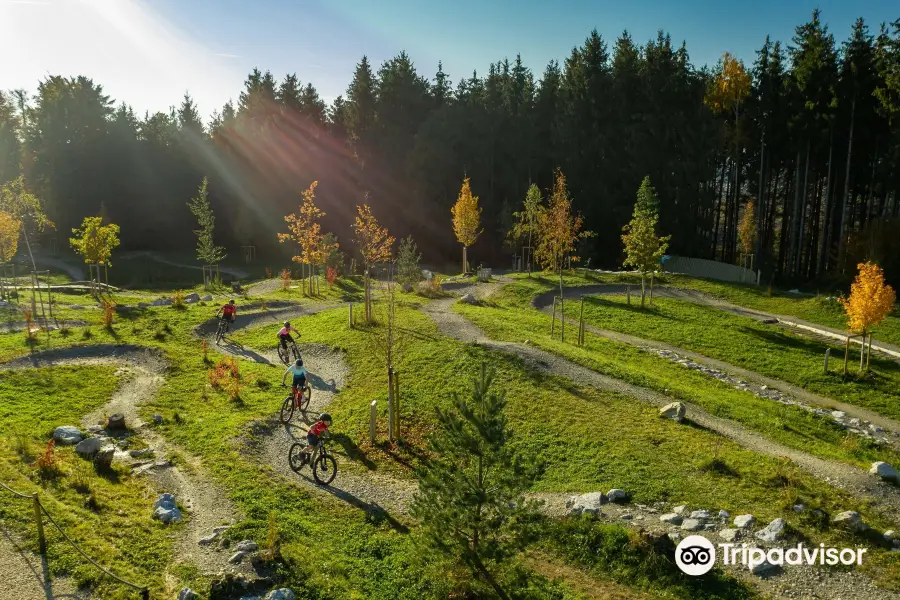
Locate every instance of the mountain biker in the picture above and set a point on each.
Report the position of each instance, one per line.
(299, 372)
(229, 312)
(285, 334)
(314, 433)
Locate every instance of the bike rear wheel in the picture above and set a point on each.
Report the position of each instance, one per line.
(287, 409)
(220, 333)
(283, 355)
(325, 469)
(295, 351)
(305, 398)
(297, 456)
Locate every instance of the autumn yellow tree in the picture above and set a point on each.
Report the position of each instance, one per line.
(9, 244)
(466, 219)
(747, 228)
(870, 301)
(643, 247)
(374, 244)
(306, 232)
(561, 230)
(95, 242)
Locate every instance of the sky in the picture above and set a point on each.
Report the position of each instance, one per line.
(148, 53)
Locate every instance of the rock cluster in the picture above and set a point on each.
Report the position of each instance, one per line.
(166, 510)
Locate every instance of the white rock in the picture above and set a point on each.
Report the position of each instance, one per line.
(798, 508)
(838, 414)
(237, 557)
(851, 520)
(247, 546)
(207, 298)
(724, 514)
(744, 521)
(700, 515)
(280, 594)
(773, 531)
(104, 457)
(590, 503)
(221, 529)
(615, 495)
(675, 410)
(206, 541)
(468, 299)
(89, 447)
(167, 515)
(67, 435)
(691, 525)
(730, 535)
(679, 510)
(187, 594)
(885, 471)
(671, 518)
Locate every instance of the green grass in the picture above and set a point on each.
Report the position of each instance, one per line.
(108, 514)
(765, 349)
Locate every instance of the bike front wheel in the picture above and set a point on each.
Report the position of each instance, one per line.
(283, 355)
(287, 409)
(220, 334)
(305, 398)
(325, 469)
(296, 352)
(297, 456)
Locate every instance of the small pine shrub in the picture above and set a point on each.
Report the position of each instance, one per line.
(87, 334)
(408, 257)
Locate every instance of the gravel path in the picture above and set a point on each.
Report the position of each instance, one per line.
(544, 302)
(142, 372)
(885, 498)
(26, 576)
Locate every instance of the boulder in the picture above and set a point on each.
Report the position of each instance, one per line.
(744, 521)
(89, 447)
(406, 288)
(166, 510)
(724, 515)
(247, 546)
(192, 297)
(691, 525)
(237, 557)
(116, 421)
(140, 453)
(104, 457)
(95, 429)
(851, 520)
(67, 435)
(206, 541)
(280, 594)
(616, 495)
(144, 305)
(671, 518)
(885, 471)
(162, 302)
(188, 594)
(207, 298)
(763, 567)
(772, 532)
(730, 535)
(468, 299)
(679, 510)
(589, 503)
(891, 536)
(675, 411)
(700, 515)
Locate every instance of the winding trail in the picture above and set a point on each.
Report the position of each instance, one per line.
(885, 498)
(797, 325)
(544, 302)
(142, 371)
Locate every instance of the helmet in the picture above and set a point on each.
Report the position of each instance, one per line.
(299, 362)
(287, 323)
(325, 417)
(231, 301)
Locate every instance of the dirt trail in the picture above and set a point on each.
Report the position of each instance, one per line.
(27, 577)
(885, 498)
(142, 373)
(544, 302)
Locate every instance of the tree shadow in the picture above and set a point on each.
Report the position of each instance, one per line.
(236, 349)
(375, 513)
(353, 451)
(42, 577)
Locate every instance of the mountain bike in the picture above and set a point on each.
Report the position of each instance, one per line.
(220, 331)
(292, 351)
(325, 468)
(297, 399)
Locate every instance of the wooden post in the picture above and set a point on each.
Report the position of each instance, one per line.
(391, 404)
(628, 294)
(869, 352)
(351, 315)
(372, 410)
(553, 322)
(42, 542)
(862, 352)
(397, 404)
(652, 279)
(581, 323)
(827, 356)
(846, 353)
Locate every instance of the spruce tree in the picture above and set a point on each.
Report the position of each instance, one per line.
(471, 500)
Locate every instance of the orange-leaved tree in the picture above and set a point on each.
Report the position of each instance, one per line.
(305, 230)
(9, 243)
(374, 244)
(870, 301)
(561, 230)
(747, 229)
(466, 219)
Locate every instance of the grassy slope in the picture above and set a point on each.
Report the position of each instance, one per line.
(107, 514)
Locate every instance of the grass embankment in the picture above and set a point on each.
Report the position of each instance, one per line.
(109, 514)
(788, 425)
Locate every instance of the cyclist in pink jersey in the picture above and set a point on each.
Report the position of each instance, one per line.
(285, 334)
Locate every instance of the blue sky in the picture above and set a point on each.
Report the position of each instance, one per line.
(149, 52)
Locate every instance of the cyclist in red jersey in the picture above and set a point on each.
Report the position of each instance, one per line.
(312, 436)
(229, 312)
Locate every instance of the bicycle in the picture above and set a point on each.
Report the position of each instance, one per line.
(325, 468)
(285, 354)
(298, 398)
(221, 330)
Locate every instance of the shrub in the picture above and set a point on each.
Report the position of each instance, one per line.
(48, 462)
(204, 347)
(408, 257)
(268, 273)
(87, 334)
(178, 302)
(285, 279)
(29, 324)
(226, 375)
(109, 312)
(331, 275)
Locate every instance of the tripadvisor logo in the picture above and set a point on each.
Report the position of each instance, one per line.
(696, 555)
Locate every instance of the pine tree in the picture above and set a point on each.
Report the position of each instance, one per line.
(208, 253)
(408, 257)
(643, 247)
(471, 501)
